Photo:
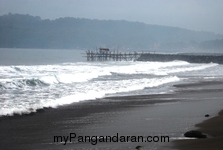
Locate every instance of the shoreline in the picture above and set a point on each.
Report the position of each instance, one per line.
(128, 115)
(212, 128)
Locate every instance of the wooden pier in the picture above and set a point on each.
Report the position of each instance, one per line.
(104, 54)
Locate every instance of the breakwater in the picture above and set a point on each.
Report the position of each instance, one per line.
(192, 58)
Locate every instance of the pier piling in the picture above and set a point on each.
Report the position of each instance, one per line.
(104, 54)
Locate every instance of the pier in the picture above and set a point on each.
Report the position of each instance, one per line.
(104, 54)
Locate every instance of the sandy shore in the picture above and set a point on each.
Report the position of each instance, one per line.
(213, 128)
(144, 115)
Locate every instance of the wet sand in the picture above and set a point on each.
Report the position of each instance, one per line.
(213, 128)
(144, 115)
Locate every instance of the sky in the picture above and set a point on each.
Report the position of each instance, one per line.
(198, 15)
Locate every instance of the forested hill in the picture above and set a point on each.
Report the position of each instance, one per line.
(25, 31)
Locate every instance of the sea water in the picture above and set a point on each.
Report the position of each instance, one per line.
(32, 79)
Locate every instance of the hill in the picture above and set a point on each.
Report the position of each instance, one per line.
(25, 31)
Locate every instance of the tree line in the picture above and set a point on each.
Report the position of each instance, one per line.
(25, 31)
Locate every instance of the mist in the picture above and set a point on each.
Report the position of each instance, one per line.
(198, 15)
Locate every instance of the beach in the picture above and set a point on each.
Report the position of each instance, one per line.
(211, 127)
(140, 115)
(56, 103)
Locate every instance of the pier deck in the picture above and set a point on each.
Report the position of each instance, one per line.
(106, 55)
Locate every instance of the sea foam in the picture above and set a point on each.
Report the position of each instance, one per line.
(24, 89)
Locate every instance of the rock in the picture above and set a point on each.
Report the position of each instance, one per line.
(195, 134)
(207, 115)
(138, 147)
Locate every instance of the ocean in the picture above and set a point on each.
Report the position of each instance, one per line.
(32, 79)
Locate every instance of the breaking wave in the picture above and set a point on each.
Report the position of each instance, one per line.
(85, 92)
(22, 83)
(25, 89)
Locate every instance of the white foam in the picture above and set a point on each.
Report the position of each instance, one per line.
(82, 92)
(190, 68)
(145, 67)
(92, 91)
(49, 79)
(72, 82)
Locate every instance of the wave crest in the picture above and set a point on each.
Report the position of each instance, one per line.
(22, 83)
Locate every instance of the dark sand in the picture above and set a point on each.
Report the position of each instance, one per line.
(166, 114)
(213, 128)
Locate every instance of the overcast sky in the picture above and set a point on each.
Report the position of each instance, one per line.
(198, 15)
